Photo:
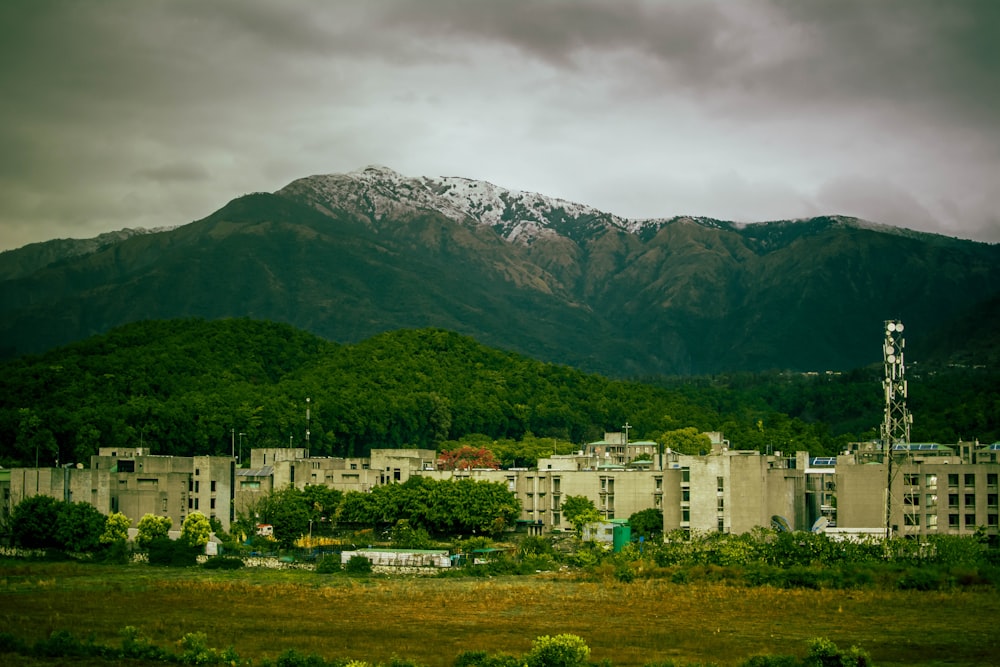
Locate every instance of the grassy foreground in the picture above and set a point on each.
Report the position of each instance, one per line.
(261, 613)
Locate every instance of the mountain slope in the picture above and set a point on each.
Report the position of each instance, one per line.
(347, 256)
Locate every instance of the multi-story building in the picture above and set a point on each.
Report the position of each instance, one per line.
(136, 483)
(934, 488)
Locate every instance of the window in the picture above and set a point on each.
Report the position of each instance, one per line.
(555, 484)
(197, 486)
(953, 500)
(213, 486)
(970, 479)
(354, 466)
(685, 495)
(397, 474)
(911, 519)
(197, 471)
(556, 517)
(991, 500)
(953, 479)
(190, 503)
(720, 504)
(721, 525)
(930, 481)
(163, 506)
(212, 505)
(991, 520)
(685, 515)
(970, 519)
(720, 484)
(911, 479)
(970, 500)
(250, 484)
(932, 521)
(196, 503)
(930, 500)
(911, 499)
(658, 482)
(953, 520)
(685, 475)
(991, 479)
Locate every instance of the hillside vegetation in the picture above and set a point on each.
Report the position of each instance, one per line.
(191, 386)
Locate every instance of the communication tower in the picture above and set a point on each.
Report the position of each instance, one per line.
(897, 419)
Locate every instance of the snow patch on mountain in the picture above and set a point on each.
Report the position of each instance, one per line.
(378, 192)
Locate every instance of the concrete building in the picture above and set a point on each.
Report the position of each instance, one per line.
(136, 483)
(933, 489)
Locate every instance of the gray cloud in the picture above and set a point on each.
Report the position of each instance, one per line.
(155, 113)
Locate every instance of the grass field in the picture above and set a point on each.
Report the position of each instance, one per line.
(263, 612)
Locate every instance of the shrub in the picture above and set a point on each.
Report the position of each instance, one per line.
(559, 651)
(330, 564)
(824, 653)
(293, 658)
(116, 553)
(164, 551)
(481, 659)
(134, 645)
(12, 644)
(358, 565)
(223, 563)
(62, 644)
(771, 661)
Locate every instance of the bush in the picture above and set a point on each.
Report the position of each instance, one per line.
(116, 553)
(12, 644)
(331, 564)
(223, 563)
(824, 653)
(771, 661)
(164, 551)
(358, 565)
(558, 651)
(62, 644)
(292, 658)
(135, 646)
(481, 659)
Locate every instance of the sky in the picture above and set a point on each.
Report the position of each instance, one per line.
(117, 113)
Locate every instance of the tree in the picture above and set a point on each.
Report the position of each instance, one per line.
(79, 526)
(152, 527)
(686, 441)
(466, 457)
(115, 529)
(579, 511)
(33, 522)
(196, 529)
(287, 510)
(647, 523)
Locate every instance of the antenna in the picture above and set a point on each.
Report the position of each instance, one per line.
(897, 420)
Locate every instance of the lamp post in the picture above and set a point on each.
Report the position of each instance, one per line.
(241, 447)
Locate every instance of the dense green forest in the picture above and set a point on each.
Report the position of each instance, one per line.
(191, 386)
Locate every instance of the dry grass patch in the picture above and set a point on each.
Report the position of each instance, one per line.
(431, 621)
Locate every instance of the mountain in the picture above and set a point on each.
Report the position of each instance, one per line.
(347, 256)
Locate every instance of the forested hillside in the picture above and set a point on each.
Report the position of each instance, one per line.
(191, 386)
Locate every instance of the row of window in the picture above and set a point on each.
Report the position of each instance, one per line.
(930, 481)
(954, 520)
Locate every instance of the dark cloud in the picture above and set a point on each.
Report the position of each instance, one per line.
(123, 113)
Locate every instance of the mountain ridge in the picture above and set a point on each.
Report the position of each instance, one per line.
(347, 256)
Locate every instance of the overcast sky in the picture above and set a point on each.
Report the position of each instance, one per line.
(118, 113)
